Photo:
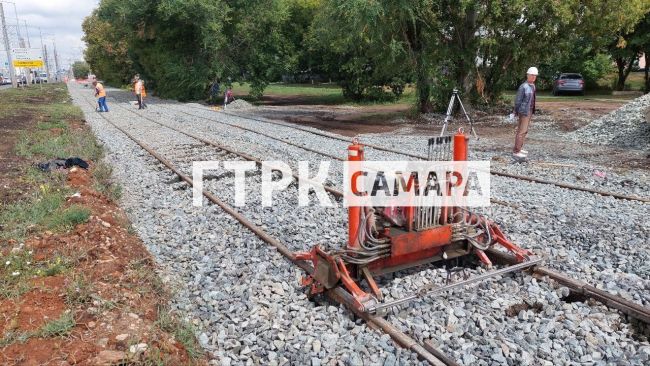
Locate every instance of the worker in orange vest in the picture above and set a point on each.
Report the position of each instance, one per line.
(138, 89)
(100, 92)
(143, 93)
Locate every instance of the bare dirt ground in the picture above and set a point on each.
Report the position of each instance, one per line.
(554, 119)
(109, 291)
(11, 165)
(85, 295)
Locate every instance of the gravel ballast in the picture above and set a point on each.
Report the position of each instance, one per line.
(626, 126)
(601, 240)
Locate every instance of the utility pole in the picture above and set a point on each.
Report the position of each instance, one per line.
(44, 51)
(56, 62)
(29, 43)
(47, 64)
(12, 74)
(29, 70)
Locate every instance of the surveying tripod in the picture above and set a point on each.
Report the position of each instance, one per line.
(450, 111)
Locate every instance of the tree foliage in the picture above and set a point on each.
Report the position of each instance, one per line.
(80, 69)
(372, 48)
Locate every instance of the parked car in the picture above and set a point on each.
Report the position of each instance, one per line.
(569, 83)
(41, 78)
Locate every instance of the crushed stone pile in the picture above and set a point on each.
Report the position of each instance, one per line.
(624, 127)
(239, 104)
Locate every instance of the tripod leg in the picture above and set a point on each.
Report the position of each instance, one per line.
(450, 110)
(471, 123)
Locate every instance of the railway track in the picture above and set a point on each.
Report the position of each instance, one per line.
(337, 294)
(576, 286)
(393, 151)
(431, 355)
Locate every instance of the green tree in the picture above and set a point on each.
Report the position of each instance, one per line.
(107, 50)
(378, 43)
(80, 69)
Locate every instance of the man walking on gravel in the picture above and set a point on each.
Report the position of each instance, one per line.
(137, 88)
(524, 110)
(100, 92)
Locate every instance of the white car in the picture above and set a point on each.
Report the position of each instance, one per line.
(41, 78)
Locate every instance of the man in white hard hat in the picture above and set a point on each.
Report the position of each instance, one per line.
(524, 109)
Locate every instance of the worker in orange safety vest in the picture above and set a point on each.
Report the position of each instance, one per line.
(100, 92)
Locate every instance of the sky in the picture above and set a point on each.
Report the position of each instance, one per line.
(58, 19)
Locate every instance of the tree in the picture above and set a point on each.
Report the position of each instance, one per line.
(478, 46)
(80, 69)
(640, 41)
(628, 43)
(107, 50)
(257, 50)
(380, 42)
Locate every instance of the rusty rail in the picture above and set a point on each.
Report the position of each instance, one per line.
(337, 294)
(245, 156)
(259, 162)
(581, 288)
(421, 157)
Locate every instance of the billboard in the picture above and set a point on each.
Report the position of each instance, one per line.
(27, 57)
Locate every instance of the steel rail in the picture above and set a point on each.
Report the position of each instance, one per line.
(337, 293)
(269, 136)
(431, 289)
(331, 190)
(421, 157)
(582, 288)
(245, 156)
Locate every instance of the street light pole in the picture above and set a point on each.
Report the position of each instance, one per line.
(12, 73)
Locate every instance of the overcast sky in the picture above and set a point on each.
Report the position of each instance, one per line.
(58, 19)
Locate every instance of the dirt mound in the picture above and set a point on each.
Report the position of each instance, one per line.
(624, 127)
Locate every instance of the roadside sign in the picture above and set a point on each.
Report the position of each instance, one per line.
(34, 63)
(27, 57)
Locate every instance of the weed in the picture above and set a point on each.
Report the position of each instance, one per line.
(104, 305)
(79, 291)
(67, 111)
(54, 267)
(18, 217)
(104, 183)
(69, 218)
(16, 270)
(182, 331)
(52, 124)
(12, 337)
(55, 328)
(58, 327)
(44, 145)
(145, 277)
(155, 357)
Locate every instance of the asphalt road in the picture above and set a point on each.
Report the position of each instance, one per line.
(5, 86)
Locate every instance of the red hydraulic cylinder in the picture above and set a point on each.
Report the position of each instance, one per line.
(460, 154)
(355, 153)
(460, 146)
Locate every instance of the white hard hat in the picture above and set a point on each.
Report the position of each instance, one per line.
(532, 71)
